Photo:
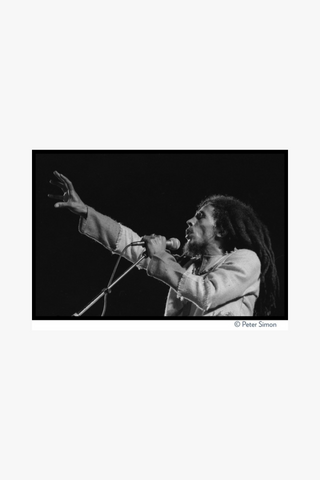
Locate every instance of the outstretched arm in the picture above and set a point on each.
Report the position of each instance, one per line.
(93, 224)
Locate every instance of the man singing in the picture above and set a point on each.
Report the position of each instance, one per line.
(227, 267)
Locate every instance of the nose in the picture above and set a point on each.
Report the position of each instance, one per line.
(190, 222)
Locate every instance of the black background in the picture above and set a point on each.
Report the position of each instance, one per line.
(151, 192)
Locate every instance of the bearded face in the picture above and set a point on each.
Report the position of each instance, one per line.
(201, 233)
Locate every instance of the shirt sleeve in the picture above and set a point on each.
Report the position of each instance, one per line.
(236, 277)
(112, 235)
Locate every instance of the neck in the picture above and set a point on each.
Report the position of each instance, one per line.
(213, 250)
(203, 251)
(208, 256)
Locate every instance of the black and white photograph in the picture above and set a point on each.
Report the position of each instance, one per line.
(160, 234)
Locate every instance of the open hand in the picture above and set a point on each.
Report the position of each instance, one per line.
(69, 199)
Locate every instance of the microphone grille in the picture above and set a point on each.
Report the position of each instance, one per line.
(175, 243)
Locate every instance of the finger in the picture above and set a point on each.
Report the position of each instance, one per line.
(58, 175)
(58, 184)
(61, 179)
(148, 238)
(56, 197)
(68, 182)
(61, 205)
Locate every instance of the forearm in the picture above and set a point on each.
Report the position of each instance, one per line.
(100, 228)
(112, 235)
(192, 287)
(165, 268)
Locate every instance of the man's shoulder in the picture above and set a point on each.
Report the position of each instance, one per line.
(243, 255)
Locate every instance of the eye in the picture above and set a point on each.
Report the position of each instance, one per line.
(199, 215)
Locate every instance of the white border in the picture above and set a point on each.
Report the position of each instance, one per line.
(156, 325)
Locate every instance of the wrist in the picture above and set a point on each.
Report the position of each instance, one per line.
(84, 212)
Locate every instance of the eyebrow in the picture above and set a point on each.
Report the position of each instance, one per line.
(206, 213)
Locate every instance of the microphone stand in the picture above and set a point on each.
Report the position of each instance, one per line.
(108, 289)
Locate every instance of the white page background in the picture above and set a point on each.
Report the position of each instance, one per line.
(159, 405)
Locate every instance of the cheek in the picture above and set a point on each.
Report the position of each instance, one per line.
(201, 234)
(208, 232)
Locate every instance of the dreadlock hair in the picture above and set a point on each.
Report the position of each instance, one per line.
(241, 228)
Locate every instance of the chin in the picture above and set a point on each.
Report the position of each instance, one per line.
(192, 249)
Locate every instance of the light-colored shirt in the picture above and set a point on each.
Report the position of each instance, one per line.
(229, 286)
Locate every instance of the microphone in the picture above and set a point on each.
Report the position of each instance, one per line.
(171, 244)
